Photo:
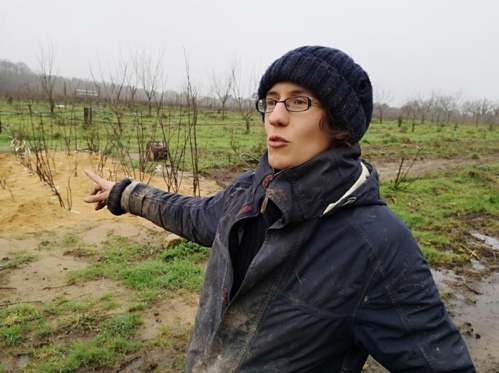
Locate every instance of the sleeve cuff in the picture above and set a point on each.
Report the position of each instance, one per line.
(114, 199)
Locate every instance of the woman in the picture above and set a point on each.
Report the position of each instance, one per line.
(309, 269)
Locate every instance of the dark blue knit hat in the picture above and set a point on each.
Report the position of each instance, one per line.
(341, 85)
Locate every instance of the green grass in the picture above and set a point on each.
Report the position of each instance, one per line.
(96, 342)
(388, 139)
(440, 210)
(147, 268)
(5, 143)
(19, 259)
(69, 242)
(93, 332)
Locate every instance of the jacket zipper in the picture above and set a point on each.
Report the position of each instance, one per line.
(264, 203)
(266, 200)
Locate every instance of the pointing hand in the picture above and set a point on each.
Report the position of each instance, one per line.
(100, 192)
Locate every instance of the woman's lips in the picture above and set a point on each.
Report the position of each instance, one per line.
(277, 142)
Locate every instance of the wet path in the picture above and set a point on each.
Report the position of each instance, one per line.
(477, 316)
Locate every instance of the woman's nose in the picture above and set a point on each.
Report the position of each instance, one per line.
(280, 115)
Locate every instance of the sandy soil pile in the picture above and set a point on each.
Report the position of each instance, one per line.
(28, 205)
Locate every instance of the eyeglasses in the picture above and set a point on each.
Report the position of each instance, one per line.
(292, 104)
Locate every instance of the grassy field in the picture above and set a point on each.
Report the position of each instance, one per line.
(101, 331)
(220, 143)
(442, 209)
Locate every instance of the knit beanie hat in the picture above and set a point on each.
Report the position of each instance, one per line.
(340, 85)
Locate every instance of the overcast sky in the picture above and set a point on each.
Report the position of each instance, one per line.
(408, 47)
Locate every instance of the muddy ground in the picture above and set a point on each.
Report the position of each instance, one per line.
(29, 213)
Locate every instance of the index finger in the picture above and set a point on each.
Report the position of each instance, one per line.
(96, 178)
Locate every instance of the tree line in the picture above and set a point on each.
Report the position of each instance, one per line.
(140, 78)
(438, 108)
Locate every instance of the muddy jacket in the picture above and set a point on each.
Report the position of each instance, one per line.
(337, 278)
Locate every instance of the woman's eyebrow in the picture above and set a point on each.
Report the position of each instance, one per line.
(292, 93)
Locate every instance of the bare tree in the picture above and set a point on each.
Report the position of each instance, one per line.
(192, 94)
(47, 77)
(436, 110)
(43, 148)
(450, 106)
(424, 106)
(170, 166)
(496, 115)
(381, 102)
(244, 94)
(480, 111)
(222, 84)
(488, 110)
(471, 111)
(410, 111)
(119, 91)
(151, 78)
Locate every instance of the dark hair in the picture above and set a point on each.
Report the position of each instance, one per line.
(339, 137)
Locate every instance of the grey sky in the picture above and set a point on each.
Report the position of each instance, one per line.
(408, 47)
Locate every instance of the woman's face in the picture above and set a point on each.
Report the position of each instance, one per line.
(293, 137)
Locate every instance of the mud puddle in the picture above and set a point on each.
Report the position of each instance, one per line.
(475, 311)
(492, 242)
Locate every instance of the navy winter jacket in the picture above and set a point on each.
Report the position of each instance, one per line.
(325, 290)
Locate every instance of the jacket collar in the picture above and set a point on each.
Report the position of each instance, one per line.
(305, 191)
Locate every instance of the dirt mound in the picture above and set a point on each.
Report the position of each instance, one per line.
(28, 205)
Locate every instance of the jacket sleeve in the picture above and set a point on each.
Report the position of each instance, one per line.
(402, 321)
(193, 218)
